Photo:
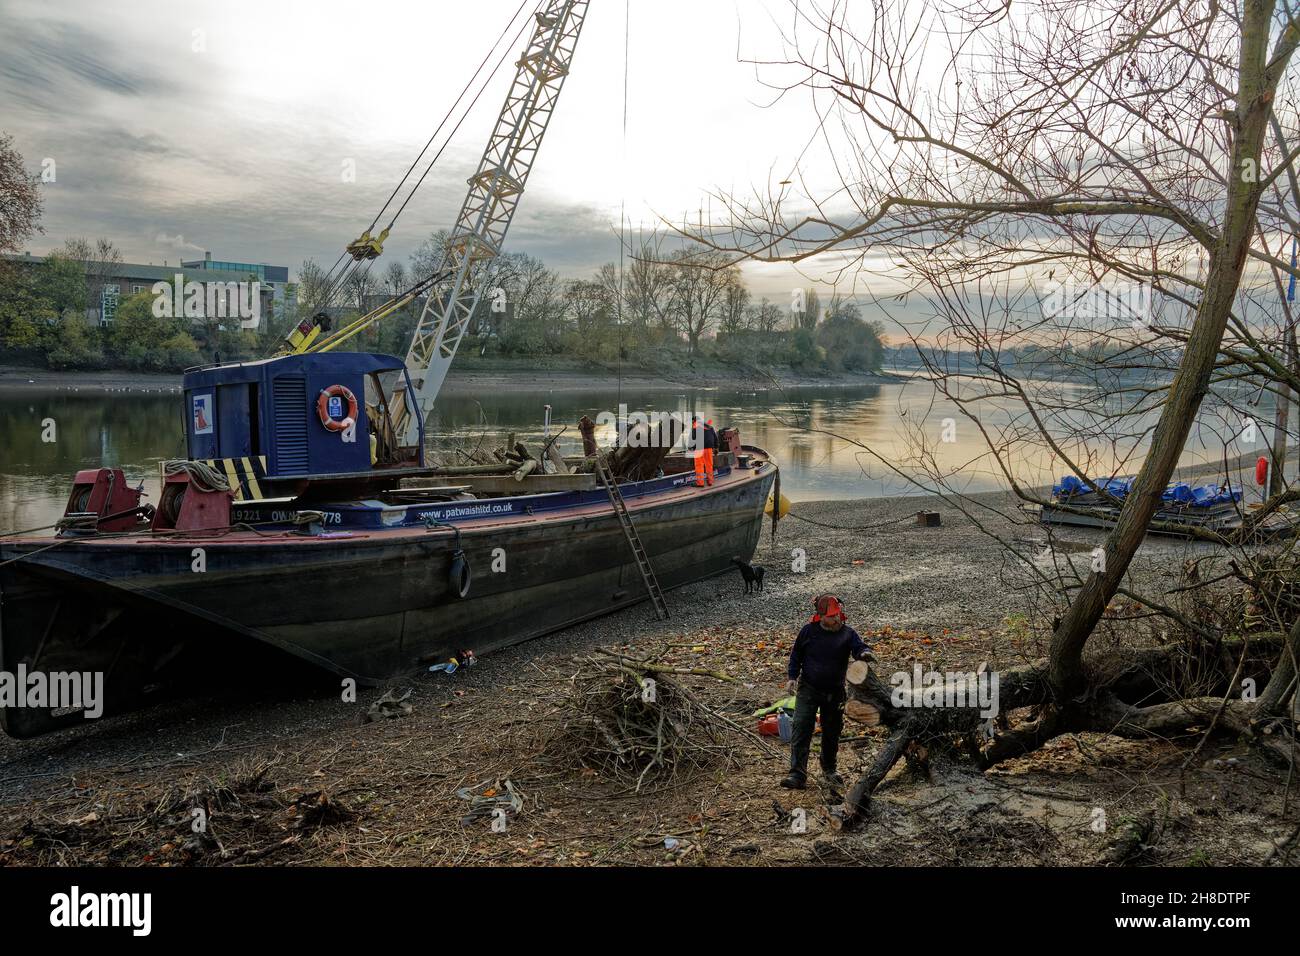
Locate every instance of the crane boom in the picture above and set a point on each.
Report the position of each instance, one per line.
(494, 193)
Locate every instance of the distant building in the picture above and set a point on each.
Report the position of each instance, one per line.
(108, 284)
(284, 294)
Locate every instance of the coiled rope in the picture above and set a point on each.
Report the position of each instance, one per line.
(202, 476)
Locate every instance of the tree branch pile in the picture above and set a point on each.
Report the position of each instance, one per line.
(633, 722)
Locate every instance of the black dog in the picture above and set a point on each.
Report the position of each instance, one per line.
(752, 573)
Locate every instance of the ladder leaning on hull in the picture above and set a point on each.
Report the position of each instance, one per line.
(633, 539)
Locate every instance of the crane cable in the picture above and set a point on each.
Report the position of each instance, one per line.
(333, 283)
(622, 208)
(350, 269)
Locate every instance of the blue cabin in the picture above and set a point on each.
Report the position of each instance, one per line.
(322, 415)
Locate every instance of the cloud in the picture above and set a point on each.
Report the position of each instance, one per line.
(177, 242)
(49, 64)
(238, 149)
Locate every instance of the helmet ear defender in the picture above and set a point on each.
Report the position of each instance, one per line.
(822, 598)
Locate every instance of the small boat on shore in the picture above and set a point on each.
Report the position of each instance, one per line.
(1184, 510)
(299, 523)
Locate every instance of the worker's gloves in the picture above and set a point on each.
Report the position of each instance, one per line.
(791, 686)
(869, 656)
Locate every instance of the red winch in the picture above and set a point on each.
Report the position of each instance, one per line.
(104, 495)
(187, 503)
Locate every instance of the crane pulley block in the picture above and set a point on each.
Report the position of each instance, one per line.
(303, 335)
(368, 247)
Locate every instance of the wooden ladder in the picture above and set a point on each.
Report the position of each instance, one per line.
(633, 539)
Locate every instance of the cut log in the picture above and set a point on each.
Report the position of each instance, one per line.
(588, 428)
(526, 469)
(561, 466)
(857, 673)
(862, 712)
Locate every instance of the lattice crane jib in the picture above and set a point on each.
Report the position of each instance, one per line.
(494, 194)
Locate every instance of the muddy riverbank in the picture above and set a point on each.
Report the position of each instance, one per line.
(260, 757)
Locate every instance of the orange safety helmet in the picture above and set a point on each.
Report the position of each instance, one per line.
(828, 605)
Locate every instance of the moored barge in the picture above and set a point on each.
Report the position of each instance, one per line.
(339, 547)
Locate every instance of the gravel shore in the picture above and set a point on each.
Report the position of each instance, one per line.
(262, 755)
(954, 580)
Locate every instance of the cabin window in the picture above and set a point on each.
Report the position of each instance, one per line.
(379, 390)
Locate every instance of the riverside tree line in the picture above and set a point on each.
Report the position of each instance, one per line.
(662, 307)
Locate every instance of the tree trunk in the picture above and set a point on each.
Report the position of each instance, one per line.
(1282, 683)
(1257, 80)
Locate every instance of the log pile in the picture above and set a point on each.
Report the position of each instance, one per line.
(647, 447)
(639, 459)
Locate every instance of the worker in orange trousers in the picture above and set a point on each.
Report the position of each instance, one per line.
(703, 456)
(710, 448)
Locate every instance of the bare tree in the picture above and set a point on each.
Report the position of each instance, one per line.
(1122, 144)
(805, 314)
(765, 317)
(312, 288)
(735, 306)
(590, 304)
(359, 287)
(100, 260)
(395, 281)
(701, 283)
(650, 293)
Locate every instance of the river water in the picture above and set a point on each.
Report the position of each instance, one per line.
(816, 435)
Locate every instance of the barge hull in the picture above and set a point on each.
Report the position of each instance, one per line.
(369, 607)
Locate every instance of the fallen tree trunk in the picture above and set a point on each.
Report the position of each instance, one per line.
(1151, 676)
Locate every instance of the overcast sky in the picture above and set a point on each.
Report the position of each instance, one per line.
(180, 127)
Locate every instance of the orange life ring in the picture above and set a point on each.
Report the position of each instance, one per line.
(322, 408)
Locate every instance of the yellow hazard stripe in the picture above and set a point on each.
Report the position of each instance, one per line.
(243, 475)
(233, 477)
(254, 489)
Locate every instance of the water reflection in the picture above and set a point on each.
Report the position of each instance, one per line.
(134, 432)
(806, 430)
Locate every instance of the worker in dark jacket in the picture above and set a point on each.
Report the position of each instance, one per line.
(818, 663)
(710, 449)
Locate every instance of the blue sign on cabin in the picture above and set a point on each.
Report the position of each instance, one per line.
(295, 410)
